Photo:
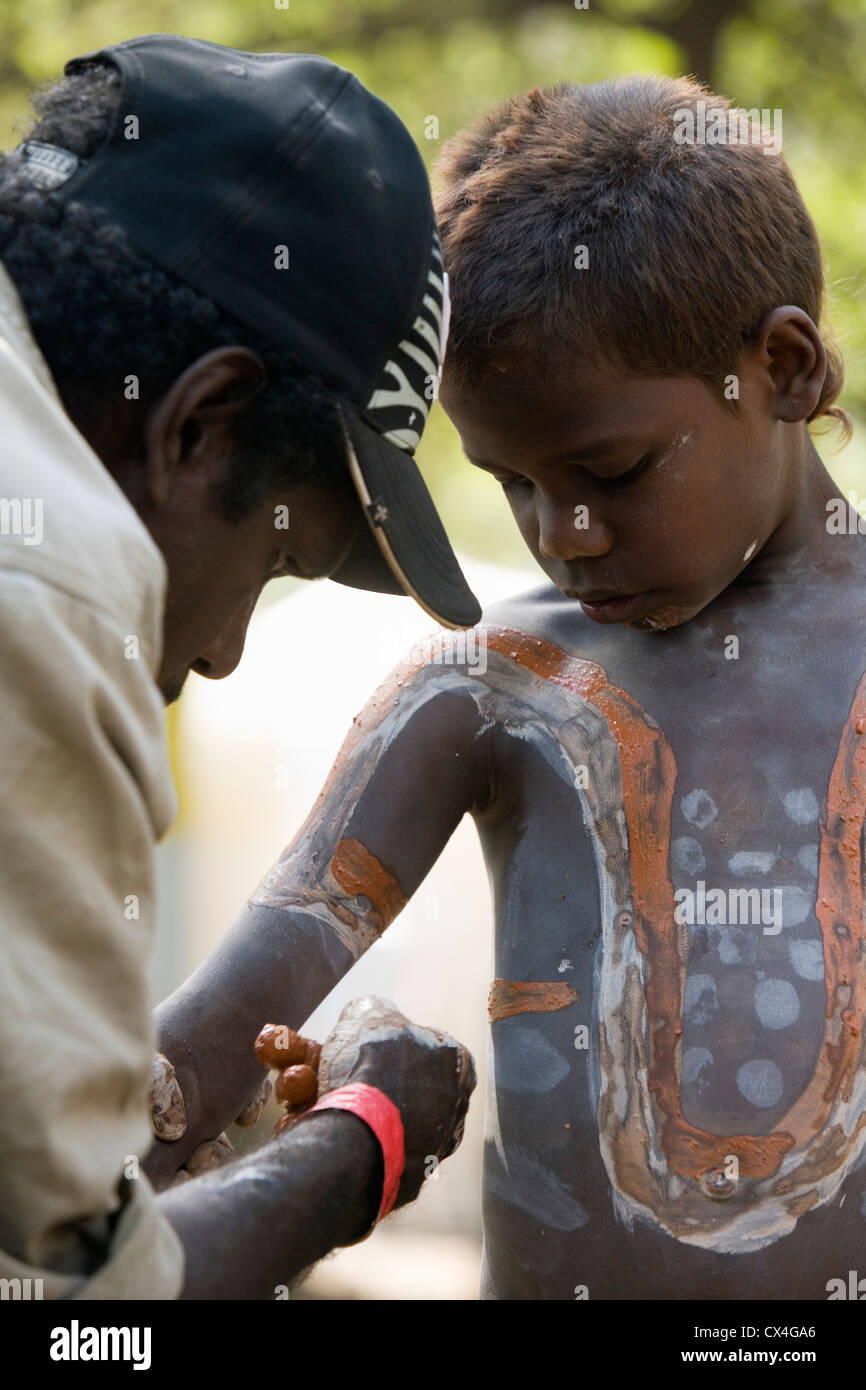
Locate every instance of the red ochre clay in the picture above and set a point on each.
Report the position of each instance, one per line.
(509, 997)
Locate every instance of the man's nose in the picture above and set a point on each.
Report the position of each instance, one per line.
(570, 530)
(223, 655)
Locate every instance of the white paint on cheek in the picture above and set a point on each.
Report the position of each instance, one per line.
(750, 552)
(666, 457)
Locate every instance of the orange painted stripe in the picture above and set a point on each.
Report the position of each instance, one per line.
(510, 997)
(649, 772)
(360, 874)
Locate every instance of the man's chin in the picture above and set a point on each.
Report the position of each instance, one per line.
(170, 689)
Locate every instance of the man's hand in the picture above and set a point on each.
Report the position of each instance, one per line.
(426, 1073)
(168, 1117)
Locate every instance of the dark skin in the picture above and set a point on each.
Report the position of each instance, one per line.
(216, 569)
(723, 528)
(278, 1210)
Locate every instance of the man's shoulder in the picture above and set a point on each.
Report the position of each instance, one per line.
(63, 519)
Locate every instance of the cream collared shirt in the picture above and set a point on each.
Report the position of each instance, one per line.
(85, 793)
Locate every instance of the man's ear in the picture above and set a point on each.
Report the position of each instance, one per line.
(193, 423)
(791, 351)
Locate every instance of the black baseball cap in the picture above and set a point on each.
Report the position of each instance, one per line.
(278, 186)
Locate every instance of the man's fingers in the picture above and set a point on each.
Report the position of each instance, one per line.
(251, 1112)
(167, 1111)
(212, 1154)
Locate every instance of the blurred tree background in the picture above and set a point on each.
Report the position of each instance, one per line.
(453, 58)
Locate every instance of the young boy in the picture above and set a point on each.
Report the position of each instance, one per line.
(664, 748)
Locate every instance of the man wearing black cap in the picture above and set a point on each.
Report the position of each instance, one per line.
(222, 318)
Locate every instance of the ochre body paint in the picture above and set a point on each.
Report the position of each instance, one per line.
(361, 875)
(510, 997)
(331, 877)
(816, 1142)
(661, 1167)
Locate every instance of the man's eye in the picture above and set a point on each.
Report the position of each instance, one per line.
(514, 484)
(283, 565)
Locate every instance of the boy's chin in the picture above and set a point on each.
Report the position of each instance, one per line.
(662, 620)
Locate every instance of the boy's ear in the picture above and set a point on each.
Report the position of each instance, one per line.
(791, 351)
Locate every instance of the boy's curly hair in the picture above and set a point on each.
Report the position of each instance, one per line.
(689, 245)
(100, 311)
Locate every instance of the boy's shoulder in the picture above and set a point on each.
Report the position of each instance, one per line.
(545, 613)
(552, 628)
(532, 605)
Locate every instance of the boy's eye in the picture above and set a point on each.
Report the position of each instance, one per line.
(632, 472)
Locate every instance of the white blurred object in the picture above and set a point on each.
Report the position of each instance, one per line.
(396, 1264)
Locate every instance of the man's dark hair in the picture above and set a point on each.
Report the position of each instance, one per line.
(100, 311)
(690, 245)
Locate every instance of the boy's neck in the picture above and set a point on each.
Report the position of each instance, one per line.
(802, 541)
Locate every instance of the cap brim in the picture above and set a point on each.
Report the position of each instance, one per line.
(404, 548)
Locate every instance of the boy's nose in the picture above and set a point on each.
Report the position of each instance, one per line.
(569, 531)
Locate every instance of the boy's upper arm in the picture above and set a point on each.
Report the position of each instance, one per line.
(412, 765)
(85, 791)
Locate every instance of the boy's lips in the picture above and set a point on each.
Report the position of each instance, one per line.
(610, 608)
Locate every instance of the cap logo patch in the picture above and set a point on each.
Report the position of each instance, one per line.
(48, 166)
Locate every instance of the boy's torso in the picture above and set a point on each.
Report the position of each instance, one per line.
(677, 1102)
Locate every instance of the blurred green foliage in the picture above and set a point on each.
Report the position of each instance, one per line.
(454, 58)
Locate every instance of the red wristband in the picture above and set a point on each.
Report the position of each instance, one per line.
(379, 1112)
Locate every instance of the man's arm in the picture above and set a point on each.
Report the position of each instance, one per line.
(83, 794)
(258, 1223)
(411, 766)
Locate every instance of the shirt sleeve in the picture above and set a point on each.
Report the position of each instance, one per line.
(85, 792)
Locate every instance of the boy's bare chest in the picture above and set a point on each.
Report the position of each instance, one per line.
(722, 898)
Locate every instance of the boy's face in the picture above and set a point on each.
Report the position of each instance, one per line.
(642, 498)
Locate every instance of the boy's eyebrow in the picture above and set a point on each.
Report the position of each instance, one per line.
(604, 446)
(599, 450)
